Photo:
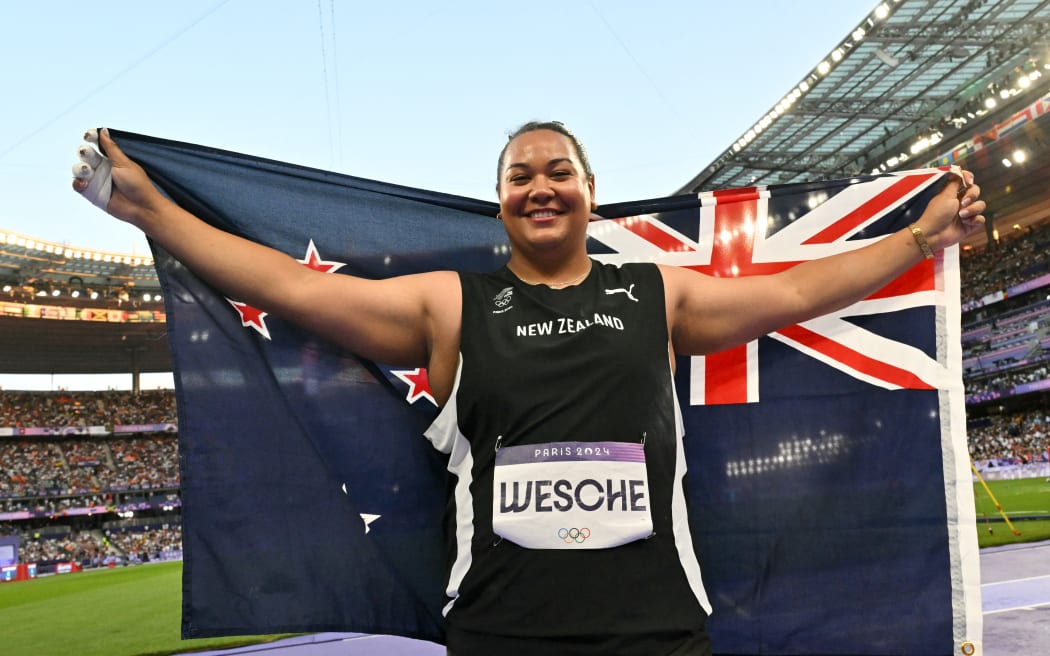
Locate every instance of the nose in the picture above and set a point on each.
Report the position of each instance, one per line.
(541, 191)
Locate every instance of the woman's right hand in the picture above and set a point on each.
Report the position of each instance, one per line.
(115, 183)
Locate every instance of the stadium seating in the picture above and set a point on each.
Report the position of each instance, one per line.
(1006, 349)
(76, 490)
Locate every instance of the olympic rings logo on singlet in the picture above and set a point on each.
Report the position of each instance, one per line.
(577, 535)
(542, 493)
(504, 298)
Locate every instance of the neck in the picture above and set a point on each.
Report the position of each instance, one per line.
(566, 274)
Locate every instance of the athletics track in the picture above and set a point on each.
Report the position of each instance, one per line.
(1015, 591)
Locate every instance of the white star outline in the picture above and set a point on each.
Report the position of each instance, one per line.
(367, 518)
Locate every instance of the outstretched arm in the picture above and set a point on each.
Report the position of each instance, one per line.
(396, 321)
(707, 314)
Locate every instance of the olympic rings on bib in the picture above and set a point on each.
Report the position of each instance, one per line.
(577, 535)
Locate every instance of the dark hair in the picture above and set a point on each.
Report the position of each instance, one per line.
(553, 126)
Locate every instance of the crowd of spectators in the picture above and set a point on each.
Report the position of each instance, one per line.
(1015, 438)
(64, 409)
(29, 466)
(1018, 338)
(1000, 340)
(144, 546)
(1015, 260)
(85, 466)
(84, 547)
(54, 505)
(94, 548)
(990, 387)
(142, 463)
(68, 465)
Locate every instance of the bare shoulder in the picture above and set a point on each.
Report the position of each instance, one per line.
(434, 296)
(442, 293)
(680, 282)
(704, 313)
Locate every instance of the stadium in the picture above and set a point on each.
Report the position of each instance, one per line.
(90, 490)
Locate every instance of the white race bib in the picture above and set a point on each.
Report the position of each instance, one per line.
(571, 495)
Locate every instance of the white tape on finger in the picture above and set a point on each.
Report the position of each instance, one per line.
(89, 155)
(101, 184)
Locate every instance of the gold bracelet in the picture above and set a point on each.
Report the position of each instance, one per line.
(920, 239)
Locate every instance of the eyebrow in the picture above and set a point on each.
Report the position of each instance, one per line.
(557, 160)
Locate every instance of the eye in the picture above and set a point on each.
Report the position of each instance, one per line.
(561, 174)
(519, 178)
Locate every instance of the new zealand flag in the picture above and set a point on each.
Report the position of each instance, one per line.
(829, 487)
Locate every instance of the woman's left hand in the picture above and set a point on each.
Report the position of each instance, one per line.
(954, 213)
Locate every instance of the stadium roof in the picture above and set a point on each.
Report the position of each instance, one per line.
(924, 68)
(906, 87)
(35, 264)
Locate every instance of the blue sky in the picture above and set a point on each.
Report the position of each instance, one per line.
(417, 93)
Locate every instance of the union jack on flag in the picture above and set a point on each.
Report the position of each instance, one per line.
(761, 230)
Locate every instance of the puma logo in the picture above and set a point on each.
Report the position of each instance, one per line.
(620, 290)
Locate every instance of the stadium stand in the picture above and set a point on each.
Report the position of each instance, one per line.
(75, 490)
(1006, 349)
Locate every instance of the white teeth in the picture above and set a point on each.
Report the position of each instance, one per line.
(542, 214)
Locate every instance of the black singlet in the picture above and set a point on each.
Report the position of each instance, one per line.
(587, 363)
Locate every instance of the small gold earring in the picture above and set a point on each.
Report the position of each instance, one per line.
(499, 216)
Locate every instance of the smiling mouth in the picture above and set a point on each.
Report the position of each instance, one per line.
(542, 214)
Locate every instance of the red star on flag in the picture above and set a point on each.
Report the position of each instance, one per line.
(418, 384)
(251, 317)
(313, 261)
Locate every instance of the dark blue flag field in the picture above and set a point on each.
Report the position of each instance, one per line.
(829, 488)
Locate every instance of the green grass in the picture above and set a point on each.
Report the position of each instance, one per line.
(1018, 498)
(128, 611)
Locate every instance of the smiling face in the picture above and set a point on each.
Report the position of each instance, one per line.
(546, 196)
